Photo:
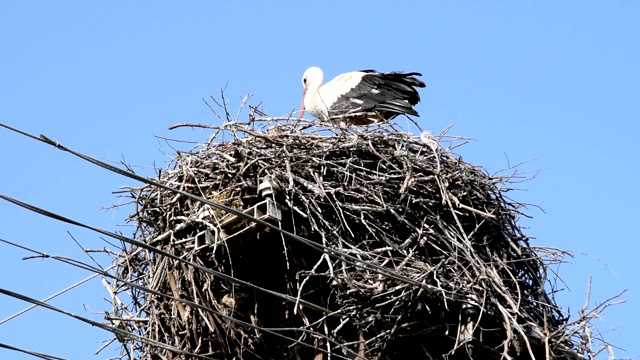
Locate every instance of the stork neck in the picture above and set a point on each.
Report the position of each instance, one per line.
(315, 85)
(310, 91)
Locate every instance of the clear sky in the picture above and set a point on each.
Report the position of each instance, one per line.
(552, 82)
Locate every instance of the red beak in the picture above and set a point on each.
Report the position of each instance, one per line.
(304, 92)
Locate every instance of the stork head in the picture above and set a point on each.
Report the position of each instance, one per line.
(311, 81)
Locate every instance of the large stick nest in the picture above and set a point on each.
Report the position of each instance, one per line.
(417, 254)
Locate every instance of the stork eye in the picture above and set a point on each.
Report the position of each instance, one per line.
(304, 81)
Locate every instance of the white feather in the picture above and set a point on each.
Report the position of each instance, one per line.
(320, 98)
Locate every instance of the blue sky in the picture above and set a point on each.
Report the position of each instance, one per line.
(552, 82)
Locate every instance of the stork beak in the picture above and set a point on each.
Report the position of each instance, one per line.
(304, 92)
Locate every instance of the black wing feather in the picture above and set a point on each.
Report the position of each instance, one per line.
(390, 94)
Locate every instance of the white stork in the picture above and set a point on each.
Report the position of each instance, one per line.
(360, 97)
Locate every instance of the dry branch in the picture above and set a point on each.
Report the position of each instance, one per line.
(388, 246)
(416, 252)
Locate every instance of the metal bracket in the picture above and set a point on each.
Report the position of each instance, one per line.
(232, 226)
